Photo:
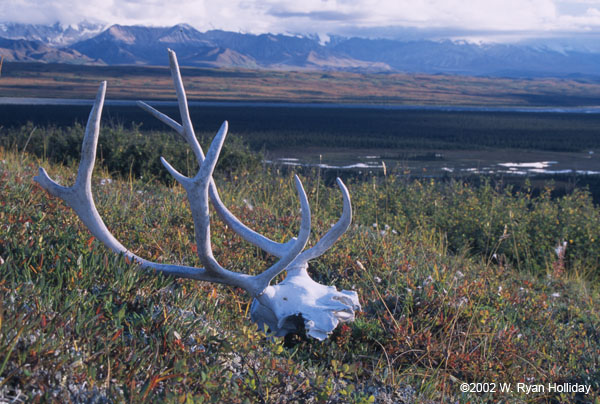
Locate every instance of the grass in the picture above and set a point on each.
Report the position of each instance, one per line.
(458, 284)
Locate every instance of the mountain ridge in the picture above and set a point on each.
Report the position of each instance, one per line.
(141, 45)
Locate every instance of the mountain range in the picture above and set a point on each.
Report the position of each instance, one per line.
(139, 45)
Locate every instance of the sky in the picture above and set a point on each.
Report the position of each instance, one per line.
(475, 20)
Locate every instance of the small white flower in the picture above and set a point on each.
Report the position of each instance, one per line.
(459, 274)
(248, 204)
(560, 249)
(556, 294)
(463, 300)
(499, 290)
(377, 279)
(374, 225)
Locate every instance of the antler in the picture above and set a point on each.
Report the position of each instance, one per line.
(79, 197)
(321, 307)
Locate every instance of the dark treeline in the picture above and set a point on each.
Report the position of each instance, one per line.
(284, 127)
(125, 152)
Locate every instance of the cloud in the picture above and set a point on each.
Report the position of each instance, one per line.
(319, 16)
(589, 2)
(314, 15)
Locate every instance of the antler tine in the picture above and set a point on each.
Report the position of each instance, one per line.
(333, 234)
(186, 121)
(200, 211)
(79, 196)
(86, 165)
(305, 225)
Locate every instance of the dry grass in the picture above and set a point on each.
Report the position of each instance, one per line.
(134, 82)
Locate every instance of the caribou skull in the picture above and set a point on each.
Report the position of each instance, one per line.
(276, 306)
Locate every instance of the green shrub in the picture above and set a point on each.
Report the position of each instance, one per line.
(128, 153)
(493, 223)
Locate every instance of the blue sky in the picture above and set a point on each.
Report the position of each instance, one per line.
(477, 20)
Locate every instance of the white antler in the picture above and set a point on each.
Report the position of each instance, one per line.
(79, 197)
(321, 307)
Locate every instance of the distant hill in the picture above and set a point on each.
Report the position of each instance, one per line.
(139, 45)
(472, 59)
(21, 50)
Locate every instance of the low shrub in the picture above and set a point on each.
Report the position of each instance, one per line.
(128, 153)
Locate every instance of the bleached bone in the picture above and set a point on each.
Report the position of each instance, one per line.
(276, 306)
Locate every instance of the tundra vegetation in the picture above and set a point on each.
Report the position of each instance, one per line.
(458, 283)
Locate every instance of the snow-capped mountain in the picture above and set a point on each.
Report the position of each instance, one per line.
(53, 35)
(139, 45)
(145, 45)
